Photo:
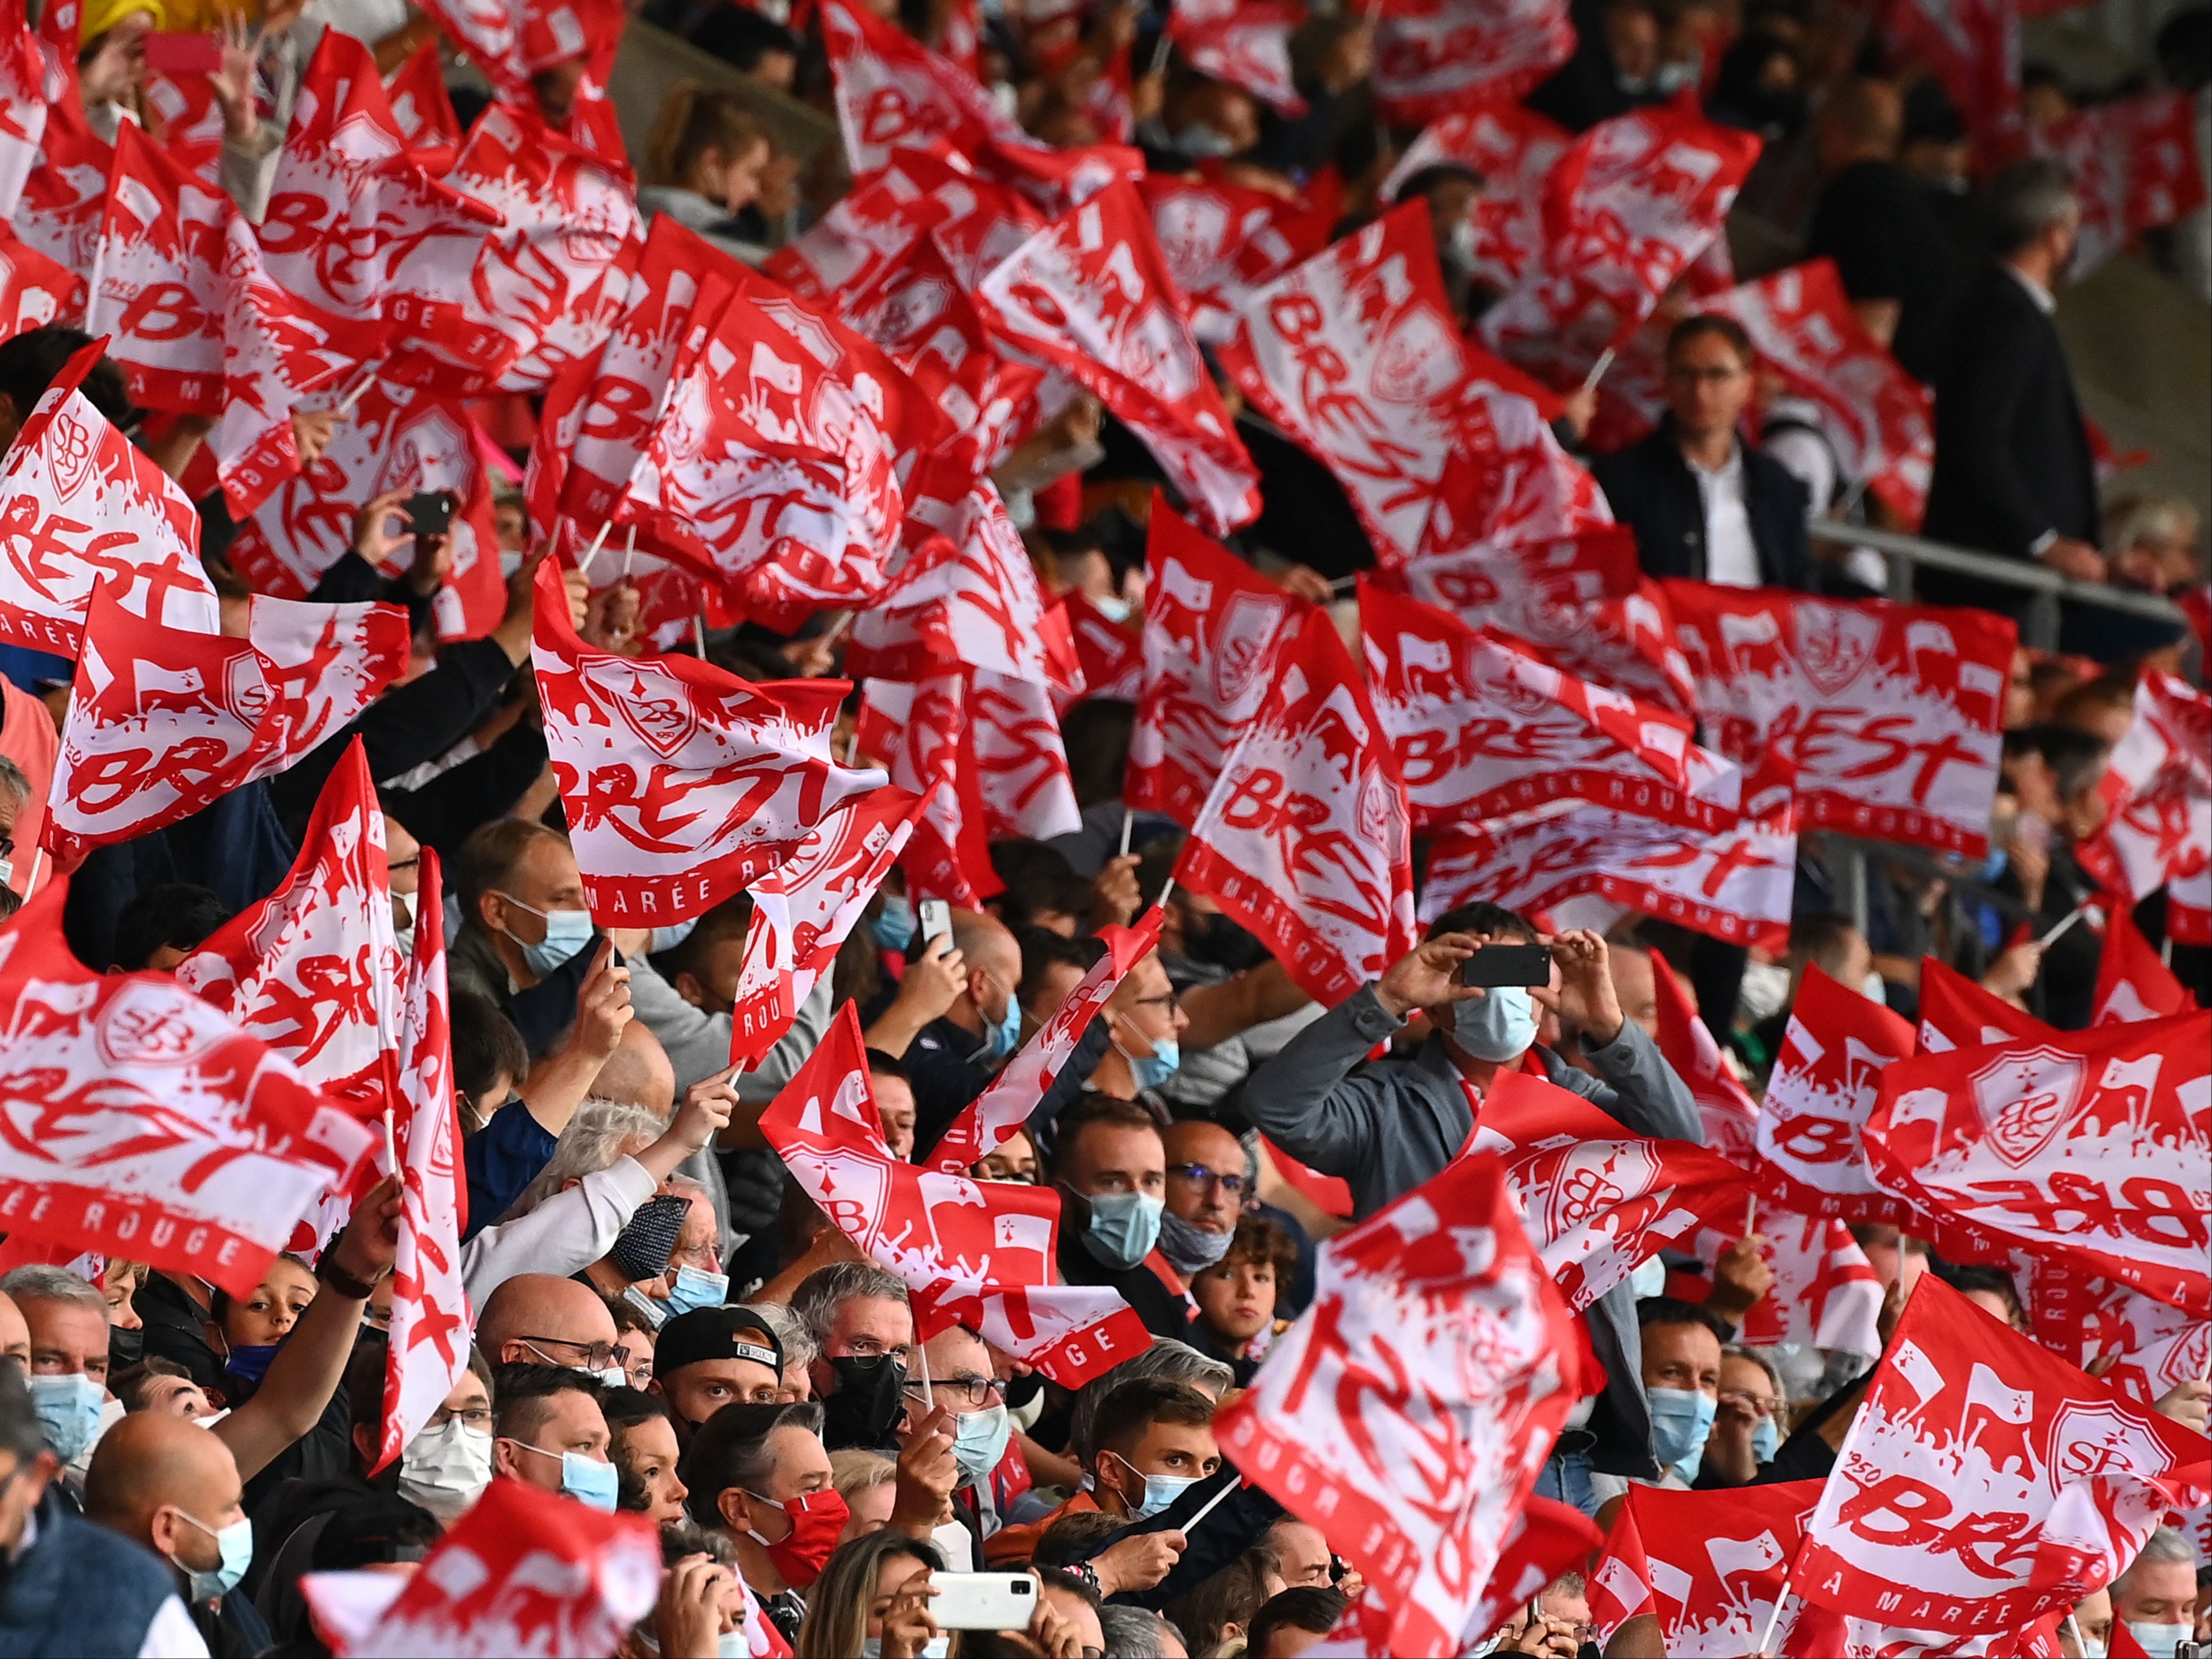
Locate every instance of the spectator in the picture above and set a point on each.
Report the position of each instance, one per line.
(759, 1475)
(2156, 1597)
(1220, 1610)
(1747, 1428)
(1208, 1176)
(1110, 1166)
(1989, 1289)
(1236, 1295)
(535, 1319)
(1145, 1023)
(1703, 503)
(863, 1331)
(1301, 1554)
(1014, 1159)
(703, 164)
(948, 1060)
(641, 1445)
(633, 1340)
(893, 1092)
(1133, 1633)
(1614, 68)
(1293, 1621)
(1681, 1371)
(67, 1323)
(548, 1433)
(711, 1357)
(868, 1482)
(160, 1385)
(974, 1402)
(875, 1589)
(448, 1463)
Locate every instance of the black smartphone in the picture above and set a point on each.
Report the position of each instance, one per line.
(429, 512)
(1494, 965)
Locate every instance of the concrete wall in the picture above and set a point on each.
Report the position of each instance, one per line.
(2142, 351)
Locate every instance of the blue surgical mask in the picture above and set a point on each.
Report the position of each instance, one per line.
(1766, 1440)
(1006, 1035)
(1157, 1067)
(1161, 1492)
(566, 932)
(1499, 1025)
(2158, 1640)
(69, 1411)
(978, 1441)
(590, 1481)
(1124, 1227)
(249, 1361)
(234, 1548)
(893, 925)
(1680, 1420)
(1113, 607)
(695, 1288)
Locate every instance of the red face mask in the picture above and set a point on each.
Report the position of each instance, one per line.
(817, 1518)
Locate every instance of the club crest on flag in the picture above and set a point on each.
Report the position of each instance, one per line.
(140, 1026)
(658, 707)
(1835, 645)
(2087, 1441)
(2027, 1096)
(1244, 647)
(1593, 1177)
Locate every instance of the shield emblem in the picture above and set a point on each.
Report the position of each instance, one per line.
(1835, 644)
(1594, 1177)
(147, 1024)
(658, 707)
(1244, 645)
(1418, 361)
(2027, 1098)
(2089, 1440)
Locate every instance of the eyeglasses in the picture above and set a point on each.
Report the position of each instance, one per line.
(473, 1417)
(1197, 1175)
(1761, 1405)
(972, 1391)
(1170, 1002)
(598, 1356)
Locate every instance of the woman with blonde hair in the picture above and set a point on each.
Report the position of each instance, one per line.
(705, 163)
(872, 1597)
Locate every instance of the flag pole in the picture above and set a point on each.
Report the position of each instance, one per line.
(699, 633)
(592, 552)
(2065, 923)
(360, 390)
(1775, 1617)
(1211, 1503)
(629, 552)
(1128, 822)
(38, 860)
(391, 1140)
(1597, 369)
(928, 1394)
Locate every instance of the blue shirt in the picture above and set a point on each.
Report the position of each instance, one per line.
(502, 1159)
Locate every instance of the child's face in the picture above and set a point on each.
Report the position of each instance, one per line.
(273, 1309)
(1237, 1298)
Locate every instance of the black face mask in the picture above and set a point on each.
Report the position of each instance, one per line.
(1226, 944)
(124, 1347)
(870, 1395)
(642, 1248)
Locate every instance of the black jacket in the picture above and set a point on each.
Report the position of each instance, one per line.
(2012, 458)
(1651, 489)
(1878, 225)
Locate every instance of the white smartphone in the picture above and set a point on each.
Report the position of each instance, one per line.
(983, 1601)
(935, 919)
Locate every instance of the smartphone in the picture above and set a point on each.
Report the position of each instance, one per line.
(935, 917)
(184, 54)
(429, 512)
(983, 1601)
(1494, 965)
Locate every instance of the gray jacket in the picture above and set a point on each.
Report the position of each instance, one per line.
(1388, 1126)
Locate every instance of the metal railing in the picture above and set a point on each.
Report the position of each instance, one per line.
(2039, 625)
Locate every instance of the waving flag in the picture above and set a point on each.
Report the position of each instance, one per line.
(1889, 712)
(66, 195)
(1547, 1540)
(1972, 48)
(1410, 1408)
(2158, 800)
(159, 283)
(1433, 57)
(83, 510)
(34, 290)
(2132, 983)
(893, 94)
(1880, 419)
(1090, 296)
(313, 971)
(327, 662)
(1715, 1563)
(1596, 1199)
(1818, 1101)
(1957, 1013)
(1628, 210)
(526, 1573)
(868, 234)
(804, 909)
(1108, 654)
(2091, 1146)
(141, 1119)
(31, 83)
(1305, 839)
(683, 783)
(922, 730)
(2135, 166)
(1484, 729)
(1214, 627)
(1513, 149)
(975, 1254)
(2150, 1346)
(430, 1315)
(1222, 243)
(1245, 43)
(1021, 760)
(1985, 1482)
(423, 112)
(1728, 1113)
(992, 1117)
(1825, 1293)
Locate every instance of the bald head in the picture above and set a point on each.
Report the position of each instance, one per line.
(993, 965)
(151, 1459)
(1862, 120)
(638, 1073)
(536, 1318)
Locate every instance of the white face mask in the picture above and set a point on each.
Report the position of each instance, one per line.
(2158, 1640)
(445, 1469)
(1871, 987)
(1764, 992)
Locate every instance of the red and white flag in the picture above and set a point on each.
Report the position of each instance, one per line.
(143, 1124)
(1213, 627)
(161, 285)
(1597, 1199)
(1483, 729)
(1306, 840)
(1819, 1099)
(804, 909)
(1109, 653)
(1407, 1412)
(1879, 420)
(1578, 599)
(1972, 48)
(1435, 57)
(2135, 166)
(893, 94)
(1731, 885)
(1628, 208)
(1245, 43)
(1957, 1013)
(1021, 760)
(423, 112)
(921, 730)
(1090, 296)
(66, 195)
(431, 1319)
(870, 233)
(1985, 1482)
(1223, 243)
(327, 662)
(2158, 800)
(1547, 1540)
(1513, 149)
(313, 971)
(1713, 1565)
(1726, 1109)
(2132, 983)
(526, 1573)
(1005, 1106)
(1825, 1293)
(1890, 714)
(2151, 1347)
(83, 510)
(978, 1254)
(2091, 1146)
(683, 784)
(34, 290)
(31, 83)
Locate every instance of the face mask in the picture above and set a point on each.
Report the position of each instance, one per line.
(2158, 1640)
(249, 1362)
(734, 1644)
(978, 1441)
(566, 932)
(668, 938)
(893, 926)
(1123, 1227)
(445, 1469)
(510, 561)
(1766, 1440)
(589, 1481)
(1648, 1278)
(641, 1250)
(696, 1288)
(1199, 141)
(1113, 607)
(406, 929)
(1190, 1249)
(1152, 1070)
(870, 1395)
(1680, 1420)
(2092, 1648)
(124, 1347)
(1499, 1025)
(1763, 993)
(1871, 988)
(7, 872)
(871, 1647)
(656, 1314)
(1160, 1492)
(816, 1520)
(1006, 1035)
(69, 1411)
(1460, 248)
(234, 1549)
(1005, 98)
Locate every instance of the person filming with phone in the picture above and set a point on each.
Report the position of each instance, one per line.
(1484, 980)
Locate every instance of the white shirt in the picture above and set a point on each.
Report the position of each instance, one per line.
(173, 1635)
(2036, 291)
(1731, 557)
